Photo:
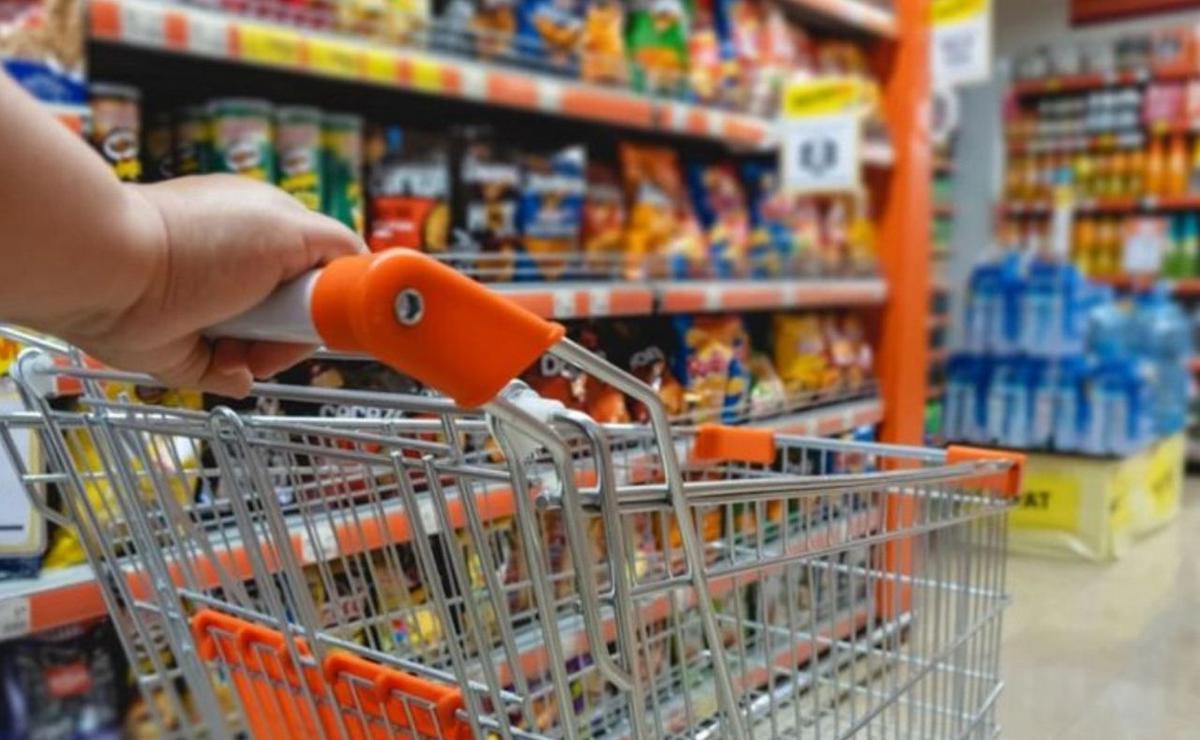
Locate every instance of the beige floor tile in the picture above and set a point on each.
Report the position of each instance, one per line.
(1102, 652)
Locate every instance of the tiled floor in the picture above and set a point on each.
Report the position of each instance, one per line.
(1107, 652)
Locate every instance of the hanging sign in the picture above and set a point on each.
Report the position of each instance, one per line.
(962, 42)
(821, 135)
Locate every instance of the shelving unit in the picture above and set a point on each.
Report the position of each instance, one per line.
(69, 595)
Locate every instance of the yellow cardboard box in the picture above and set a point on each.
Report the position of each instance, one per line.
(1093, 508)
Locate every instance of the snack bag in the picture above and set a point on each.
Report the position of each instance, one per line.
(740, 25)
(800, 354)
(70, 682)
(705, 55)
(661, 222)
(602, 43)
(341, 166)
(720, 205)
(702, 361)
(648, 361)
(552, 378)
(601, 401)
(412, 626)
(494, 24)
(772, 246)
(767, 394)
(737, 384)
(603, 216)
(489, 183)
(549, 31)
(861, 365)
(409, 195)
(782, 53)
(657, 42)
(550, 210)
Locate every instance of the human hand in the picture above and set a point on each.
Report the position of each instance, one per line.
(203, 250)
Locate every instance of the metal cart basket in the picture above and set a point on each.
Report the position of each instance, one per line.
(334, 563)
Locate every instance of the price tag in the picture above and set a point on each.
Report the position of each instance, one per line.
(15, 618)
(1145, 244)
(1062, 221)
(208, 36)
(426, 74)
(821, 135)
(962, 41)
(271, 46)
(1049, 500)
(321, 544)
(143, 24)
(335, 58)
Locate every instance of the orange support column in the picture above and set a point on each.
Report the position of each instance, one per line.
(905, 233)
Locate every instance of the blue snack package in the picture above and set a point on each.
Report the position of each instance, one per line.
(549, 31)
(550, 211)
(773, 244)
(720, 205)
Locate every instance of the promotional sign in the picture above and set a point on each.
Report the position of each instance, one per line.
(962, 42)
(821, 135)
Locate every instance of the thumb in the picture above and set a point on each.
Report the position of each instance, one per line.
(325, 239)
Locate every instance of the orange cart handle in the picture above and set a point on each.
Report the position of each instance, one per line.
(410, 312)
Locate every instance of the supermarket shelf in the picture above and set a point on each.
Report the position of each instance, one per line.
(568, 301)
(599, 299)
(532, 651)
(1182, 288)
(853, 14)
(57, 598)
(827, 420)
(1109, 205)
(195, 31)
(61, 597)
(749, 295)
(783, 662)
(1083, 82)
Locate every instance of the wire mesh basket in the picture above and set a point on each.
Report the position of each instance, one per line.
(516, 570)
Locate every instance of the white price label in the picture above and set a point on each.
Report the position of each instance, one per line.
(208, 36)
(321, 544)
(15, 617)
(821, 154)
(143, 24)
(962, 42)
(1145, 243)
(429, 517)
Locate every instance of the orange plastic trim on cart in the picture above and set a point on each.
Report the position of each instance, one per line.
(717, 443)
(1007, 484)
(368, 696)
(467, 341)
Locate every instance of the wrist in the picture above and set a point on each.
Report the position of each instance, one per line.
(121, 265)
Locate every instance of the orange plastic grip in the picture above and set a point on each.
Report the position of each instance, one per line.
(717, 443)
(1007, 484)
(427, 321)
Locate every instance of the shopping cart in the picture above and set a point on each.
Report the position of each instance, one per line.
(378, 565)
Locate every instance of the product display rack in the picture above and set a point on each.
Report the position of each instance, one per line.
(69, 595)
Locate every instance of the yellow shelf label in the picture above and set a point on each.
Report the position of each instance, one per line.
(946, 12)
(822, 97)
(380, 66)
(274, 46)
(335, 58)
(426, 74)
(1049, 500)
